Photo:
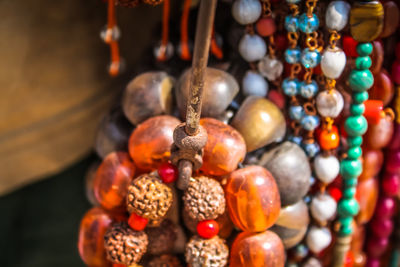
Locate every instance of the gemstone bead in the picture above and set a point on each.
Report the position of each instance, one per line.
(377, 57)
(291, 87)
(383, 88)
(333, 62)
(292, 55)
(168, 172)
(386, 207)
(382, 228)
(364, 49)
(329, 139)
(308, 90)
(326, 168)
(367, 197)
(379, 135)
(366, 20)
(246, 11)
(353, 141)
(391, 18)
(291, 23)
(391, 184)
(252, 47)
(323, 207)
(310, 122)
(363, 63)
(354, 152)
(270, 68)
(350, 168)
(348, 207)
(350, 46)
(357, 109)
(356, 125)
(308, 24)
(337, 15)
(296, 113)
(360, 97)
(137, 222)
(311, 149)
(329, 103)
(254, 84)
(252, 198)
(266, 26)
(349, 192)
(372, 163)
(318, 238)
(207, 229)
(373, 111)
(310, 58)
(295, 139)
(376, 246)
(361, 80)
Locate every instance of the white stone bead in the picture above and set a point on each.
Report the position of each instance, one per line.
(326, 168)
(333, 62)
(270, 68)
(318, 238)
(337, 15)
(252, 47)
(246, 11)
(323, 207)
(330, 103)
(254, 84)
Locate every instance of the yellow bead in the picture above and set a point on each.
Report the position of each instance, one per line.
(366, 21)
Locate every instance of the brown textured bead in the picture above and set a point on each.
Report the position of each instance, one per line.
(224, 150)
(204, 199)
(149, 197)
(391, 18)
(150, 143)
(379, 135)
(377, 57)
(257, 249)
(162, 238)
(367, 196)
(211, 252)
(372, 163)
(165, 260)
(252, 198)
(366, 20)
(292, 224)
(383, 88)
(112, 179)
(124, 245)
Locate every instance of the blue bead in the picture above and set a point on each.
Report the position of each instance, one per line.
(308, 90)
(310, 122)
(308, 24)
(291, 86)
(293, 1)
(296, 113)
(295, 139)
(291, 23)
(311, 149)
(292, 55)
(310, 58)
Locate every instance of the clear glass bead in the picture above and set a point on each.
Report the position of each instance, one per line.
(310, 122)
(292, 55)
(308, 24)
(291, 86)
(296, 113)
(291, 23)
(310, 58)
(308, 90)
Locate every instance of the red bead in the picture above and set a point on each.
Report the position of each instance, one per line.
(137, 222)
(266, 26)
(373, 111)
(119, 265)
(317, 70)
(393, 161)
(385, 208)
(382, 227)
(391, 184)
(350, 46)
(335, 193)
(207, 229)
(168, 172)
(281, 41)
(376, 246)
(397, 51)
(277, 97)
(396, 72)
(349, 260)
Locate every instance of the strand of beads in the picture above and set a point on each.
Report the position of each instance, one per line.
(363, 30)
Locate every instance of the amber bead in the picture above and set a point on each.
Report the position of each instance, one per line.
(91, 237)
(366, 20)
(379, 135)
(260, 122)
(150, 143)
(372, 163)
(391, 19)
(383, 88)
(256, 250)
(367, 196)
(225, 148)
(253, 199)
(112, 180)
(329, 139)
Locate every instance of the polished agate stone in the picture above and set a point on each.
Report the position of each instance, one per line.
(383, 88)
(256, 250)
(224, 150)
(391, 19)
(150, 143)
(372, 163)
(366, 20)
(112, 180)
(379, 135)
(260, 122)
(218, 92)
(290, 167)
(93, 226)
(252, 198)
(377, 57)
(292, 224)
(367, 197)
(148, 95)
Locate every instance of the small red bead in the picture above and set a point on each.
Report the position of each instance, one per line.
(266, 26)
(168, 172)
(350, 46)
(118, 265)
(391, 184)
(137, 222)
(281, 41)
(349, 260)
(373, 111)
(335, 193)
(277, 98)
(207, 229)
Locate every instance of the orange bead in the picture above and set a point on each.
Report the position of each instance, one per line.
(373, 110)
(266, 26)
(253, 199)
(91, 237)
(329, 139)
(257, 249)
(372, 163)
(224, 150)
(367, 196)
(150, 143)
(112, 179)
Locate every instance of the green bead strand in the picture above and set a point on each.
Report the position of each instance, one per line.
(360, 97)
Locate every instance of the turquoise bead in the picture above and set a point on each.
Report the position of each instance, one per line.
(361, 80)
(363, 63)
(346, 230)
(291, 23)
(354, 152)
(310, 58)
(346, 220)
(360, 97)
(364, 49)
(349, 193)
(357, 109)
(353, 141)
(308, 24)
(350, 181)
(348, 207)
(355, 125)
(292, 55)
(350, 168)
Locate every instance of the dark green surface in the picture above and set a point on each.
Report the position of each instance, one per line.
(39, 223)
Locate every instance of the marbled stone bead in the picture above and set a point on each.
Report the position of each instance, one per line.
(318, 238)
(252, 47)
(292, 55)
(254, 84)
(333, 62)
(291, 87)
(323, 207)
(270, 68)
(367, 197)
(246, 11)
(360, 97)
(391, 18)
(308, 24)
(361, 80)
(350, 168)
(310, 58)
(329, 103)
(326, 168)
(252, 198)
(337, 15)
(348, 207)
(364, 49)
(308, 90)
(366, 20)
(363, 63)
(355, 125)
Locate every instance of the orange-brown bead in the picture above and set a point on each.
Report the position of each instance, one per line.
(257, 249)
(150, 143)
(91, 237)
(367, 196)
(112, 180)
(372, 163)
(329, 139)
(253, 199)
(224, 150)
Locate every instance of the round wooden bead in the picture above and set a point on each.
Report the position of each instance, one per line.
(323, 207)
(326, 168)
(289, 166)
(246, 11)
(333, 62)
(329, 103)
(252, 47)
(269, 248)
(391, 18)
(252, 198)
(318, 238)
(254, 84)
(366, 20)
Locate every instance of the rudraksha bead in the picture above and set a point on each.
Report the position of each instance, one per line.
(162, 238)
(211, 252)
(123, 245)
(165, 260)
(149, 197)
(204, 199)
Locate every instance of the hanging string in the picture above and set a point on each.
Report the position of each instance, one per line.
(111, 39)
(162, 56)
(215, 49)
